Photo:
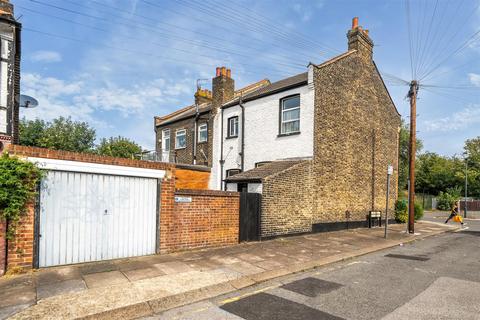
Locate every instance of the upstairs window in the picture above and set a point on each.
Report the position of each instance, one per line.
(181, 139)
(202, 133)
(290, 115)
(260, 164)
(166, 140)
(232, 127)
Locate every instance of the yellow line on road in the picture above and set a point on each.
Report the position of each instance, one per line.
(245, 295)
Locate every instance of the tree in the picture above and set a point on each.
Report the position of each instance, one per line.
(435, 173)
(403, 155)
(118, 147)
(60, 134)
(472, 152)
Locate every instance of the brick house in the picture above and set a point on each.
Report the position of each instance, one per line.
(10, 31)
(186, 135)
(315, 145)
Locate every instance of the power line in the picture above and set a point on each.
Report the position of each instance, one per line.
(151, 28)
(175, 26)
(407, 8)
(267, 21)
(252, 25)
(123, 50)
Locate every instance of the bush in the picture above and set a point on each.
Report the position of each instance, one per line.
(445, 201)
(18, 182)
(401, 208)
(401, 211)
(418, 211)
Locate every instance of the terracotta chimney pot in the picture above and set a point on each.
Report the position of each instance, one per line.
(355, 23)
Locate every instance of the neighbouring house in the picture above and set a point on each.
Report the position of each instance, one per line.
(315, 145)
(186, 136)
(10, 31)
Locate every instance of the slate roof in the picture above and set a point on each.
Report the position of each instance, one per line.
(284, 84)
(189, 111)
(262, 172)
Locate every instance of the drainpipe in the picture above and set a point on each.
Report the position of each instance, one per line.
(242, 152)
(195, 135)
(222, 161)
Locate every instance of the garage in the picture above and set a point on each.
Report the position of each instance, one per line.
(93, 212)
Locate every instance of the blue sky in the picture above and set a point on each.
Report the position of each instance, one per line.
(118, 63)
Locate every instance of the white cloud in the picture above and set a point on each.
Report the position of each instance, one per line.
(474, 79)
(457, 121)
(46, 56)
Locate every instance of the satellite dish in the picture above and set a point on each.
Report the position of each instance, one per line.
(28, 102)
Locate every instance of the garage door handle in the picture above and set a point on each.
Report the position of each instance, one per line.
(105, 213)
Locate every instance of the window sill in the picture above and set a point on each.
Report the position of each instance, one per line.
(288, 134)
(231, 137)
(181, 148)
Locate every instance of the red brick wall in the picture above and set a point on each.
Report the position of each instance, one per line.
(3, 245)
(210, 220)
(20, 248)
(85, 157)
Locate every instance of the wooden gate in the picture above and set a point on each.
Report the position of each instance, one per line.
(250, 207)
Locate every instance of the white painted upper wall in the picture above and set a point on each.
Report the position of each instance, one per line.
(262, 140)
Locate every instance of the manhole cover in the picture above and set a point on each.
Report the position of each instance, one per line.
(402, 256)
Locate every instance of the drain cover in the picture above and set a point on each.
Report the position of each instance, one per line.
(402, 256)
(311, 287)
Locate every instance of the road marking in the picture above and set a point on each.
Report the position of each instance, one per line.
(245, 295)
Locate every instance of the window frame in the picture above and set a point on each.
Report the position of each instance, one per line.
(164, 137)
(229, 127)
(281, 111)
(261, 163)
(176, 138)
(199, 133)
(227, 172)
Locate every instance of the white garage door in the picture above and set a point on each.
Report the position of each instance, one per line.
(92, 217)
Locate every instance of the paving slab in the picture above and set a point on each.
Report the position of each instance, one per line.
(60, 287)
(145, 273)
(173, 267)
(104, 279)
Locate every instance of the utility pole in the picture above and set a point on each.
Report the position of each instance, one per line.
(412, 94)
(466, 187)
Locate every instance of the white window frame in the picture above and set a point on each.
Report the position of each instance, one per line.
(203, 128)
(176, 138)
(228, 173)
(165, 137)
(282, 111)
(233, 126)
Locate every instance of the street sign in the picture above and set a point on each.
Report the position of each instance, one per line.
(390, 170)
(183, 199)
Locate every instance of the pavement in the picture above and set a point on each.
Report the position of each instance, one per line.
(148, 286)
(433, 278)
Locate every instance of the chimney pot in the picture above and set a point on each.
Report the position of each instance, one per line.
(354, 23)
(217, 72)
(224, 71)
(229, 73)
(366, 31)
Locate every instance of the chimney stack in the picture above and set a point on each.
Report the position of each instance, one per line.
(359, 39)
(223, 88)
(6, 8)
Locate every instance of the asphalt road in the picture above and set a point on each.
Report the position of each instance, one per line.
(435, 278)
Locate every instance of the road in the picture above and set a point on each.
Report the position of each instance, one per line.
(436, 278)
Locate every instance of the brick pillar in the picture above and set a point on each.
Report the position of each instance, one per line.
(20, 248)
(167, 201)
(3, 247)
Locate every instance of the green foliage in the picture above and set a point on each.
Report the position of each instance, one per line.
(18, 181)
(436, 173)
(401, 211)
(404, 139)
(118, 147)
(60, 134)
(446, 200)
(401, 208)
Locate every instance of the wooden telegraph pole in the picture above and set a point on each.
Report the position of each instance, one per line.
(412, 94)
